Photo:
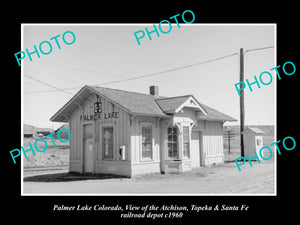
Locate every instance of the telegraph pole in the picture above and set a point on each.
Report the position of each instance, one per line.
(242, 107)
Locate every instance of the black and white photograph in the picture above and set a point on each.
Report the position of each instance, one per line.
(148, 116)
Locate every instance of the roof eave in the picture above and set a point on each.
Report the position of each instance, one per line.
(59, 112)
(153, 115)
(54, 118)
(218, 119)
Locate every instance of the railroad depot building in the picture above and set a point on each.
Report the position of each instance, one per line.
(127, 133)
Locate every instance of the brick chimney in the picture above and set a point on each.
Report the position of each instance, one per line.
(153, 90)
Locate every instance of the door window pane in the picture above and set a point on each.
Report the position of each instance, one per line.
(107, 142)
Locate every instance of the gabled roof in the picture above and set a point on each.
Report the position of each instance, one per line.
(134, 103)
(213, 114)
(253, 130)
(169, 105)
(138, 104)
(174, 104)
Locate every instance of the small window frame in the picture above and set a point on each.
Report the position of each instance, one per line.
(174, 142)
(149, 157)
(112, 150)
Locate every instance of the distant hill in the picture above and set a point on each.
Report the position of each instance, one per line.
(29, 129)
(267, 129)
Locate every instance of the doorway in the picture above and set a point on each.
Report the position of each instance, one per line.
(88, 148)
(197, 149)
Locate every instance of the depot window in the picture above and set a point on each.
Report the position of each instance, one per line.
(147, 143)
(186, 141)
(108, 142)
(172, 142)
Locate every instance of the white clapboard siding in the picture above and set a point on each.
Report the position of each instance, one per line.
(212, 140)
(121, 137)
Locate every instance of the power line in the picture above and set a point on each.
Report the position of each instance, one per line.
(257, 49)
(146, 75)
(83, 70)
(48, 84)
(167, 71)
(140, 76)
(48, 91)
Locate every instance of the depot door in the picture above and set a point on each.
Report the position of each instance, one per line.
(196, 149)
(88, 148)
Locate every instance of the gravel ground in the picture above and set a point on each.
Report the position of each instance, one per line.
(219, 179)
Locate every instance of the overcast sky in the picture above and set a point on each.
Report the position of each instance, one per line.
(105, 53)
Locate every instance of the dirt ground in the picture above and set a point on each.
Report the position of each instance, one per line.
(47, 173)
(218, 179)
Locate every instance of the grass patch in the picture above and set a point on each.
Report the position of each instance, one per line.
(54, 155)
